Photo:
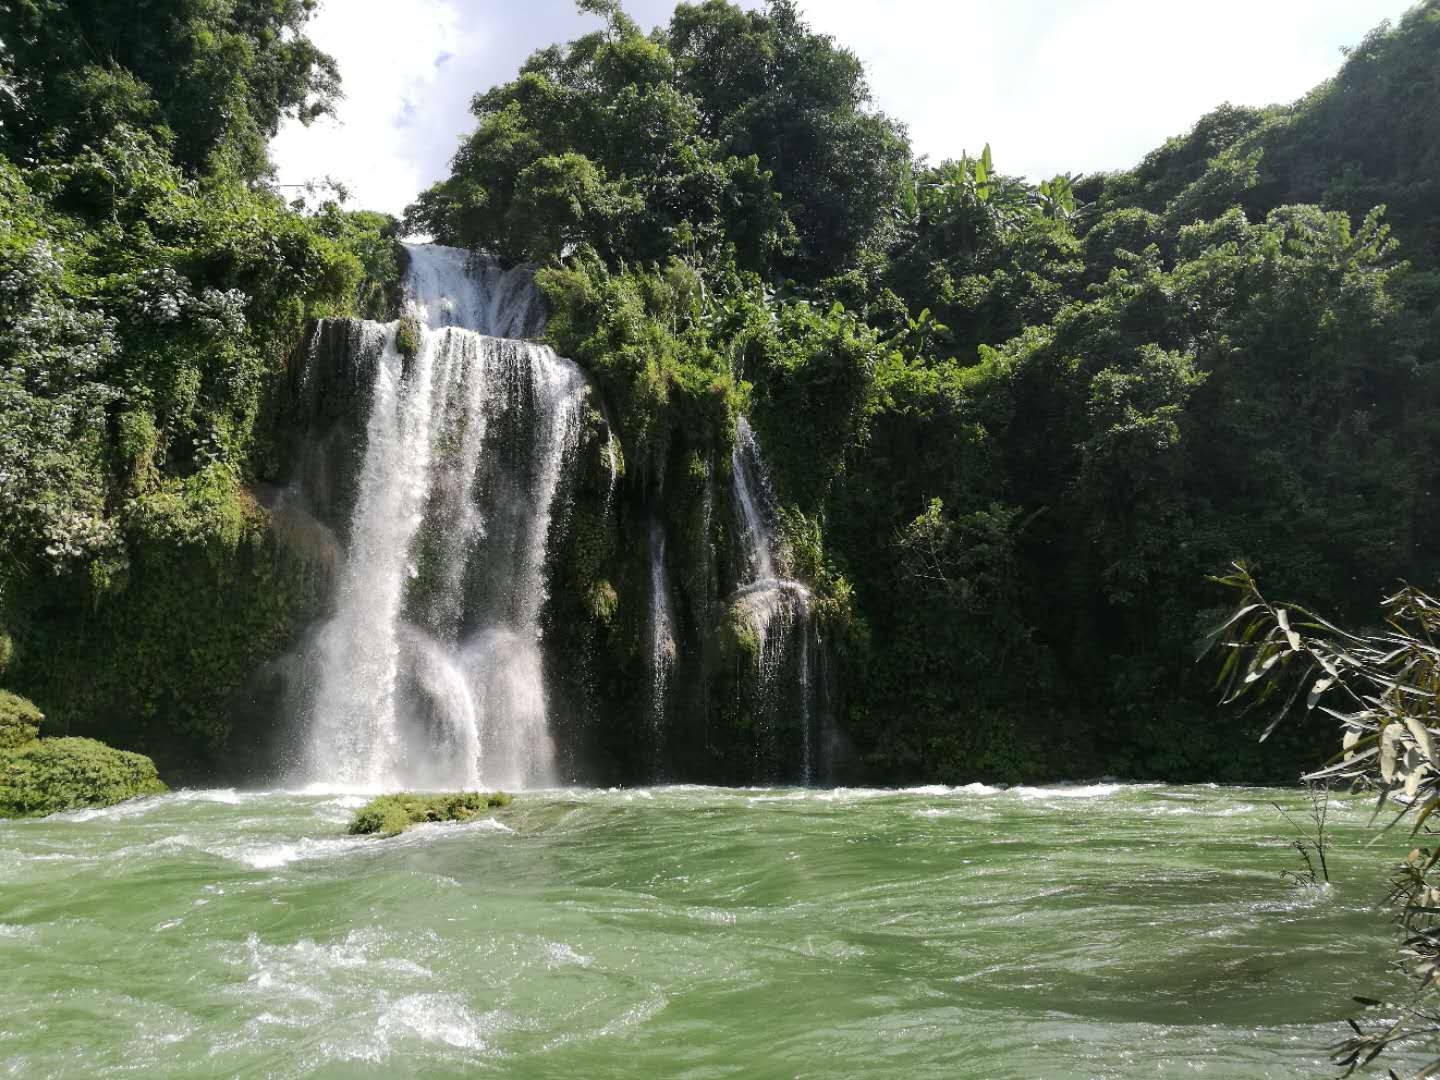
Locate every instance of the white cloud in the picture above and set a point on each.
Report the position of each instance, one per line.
(1053, 85)
(393, 72)
(1067, 86)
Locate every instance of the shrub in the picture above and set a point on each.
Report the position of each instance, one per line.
(49, 775)
(407, 338)
(19, 720)
(392, 814)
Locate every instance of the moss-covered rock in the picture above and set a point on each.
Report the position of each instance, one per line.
(152, 661)
(19, 720)
(408, 337)
(391, 814)
(45, 776)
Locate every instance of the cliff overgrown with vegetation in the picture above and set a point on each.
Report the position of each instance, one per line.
(1013, 426)
(151, 288)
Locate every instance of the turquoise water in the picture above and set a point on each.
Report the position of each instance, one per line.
(1100, 931)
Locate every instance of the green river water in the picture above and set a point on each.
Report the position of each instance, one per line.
(1100, 931)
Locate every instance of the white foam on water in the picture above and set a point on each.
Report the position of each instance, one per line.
(636, 1014)
(442, 1018)
(358, 794)
(263, 856)
(844, 794)
(165, 845)
(431, 829)
(226, 796)
(1235, 810)
(560, 954)
(1077, 791)
(794, 796)
(293, 968)
(127, 809)
(963, 789)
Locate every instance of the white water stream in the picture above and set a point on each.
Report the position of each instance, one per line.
(430, 670)
(776, 609)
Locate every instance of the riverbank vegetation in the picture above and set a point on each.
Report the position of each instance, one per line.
(1012, 423)
(1383, 687)
(43, 776)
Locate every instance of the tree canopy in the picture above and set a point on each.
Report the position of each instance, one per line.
(1017, 422)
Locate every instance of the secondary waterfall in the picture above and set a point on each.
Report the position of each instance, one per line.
(429, 671)
(663, 646)
(776, 610)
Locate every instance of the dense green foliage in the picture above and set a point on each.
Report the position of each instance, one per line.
(44, 776)
(1368, 137)
(392, 814)
(734, 134)
(212, 78)
(50, 775)
(1013, 426)
(19, 720)
(150, 293)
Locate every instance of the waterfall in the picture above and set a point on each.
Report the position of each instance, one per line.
(430, 671)
(751, 486)
(663, 647)
(776, 610)
(453, 287)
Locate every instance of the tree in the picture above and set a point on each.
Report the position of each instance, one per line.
(732, 134)
(218, 76)
(768, 86)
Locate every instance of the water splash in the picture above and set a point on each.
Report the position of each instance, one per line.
(430, 671)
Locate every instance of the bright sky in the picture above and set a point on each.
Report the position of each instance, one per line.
(1052, 85)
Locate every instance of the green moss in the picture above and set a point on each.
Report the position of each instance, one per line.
(19, 720)
(603, 601)
(392, 814)
(407, 338)
(49, 775)
(743, 635)
(208, 592)
(137, 442)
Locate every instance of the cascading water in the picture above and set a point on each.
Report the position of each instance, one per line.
(751, 486)
(429, 672)
(776, 610)
(452, 287)
(663, 647)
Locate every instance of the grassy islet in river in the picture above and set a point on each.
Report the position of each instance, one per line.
(390, 815)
